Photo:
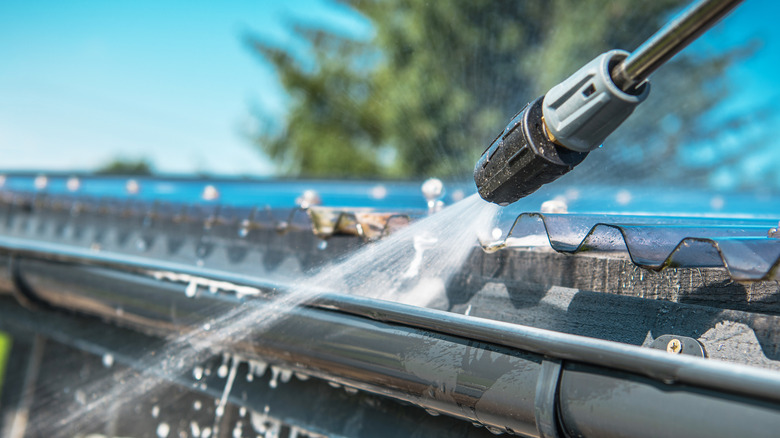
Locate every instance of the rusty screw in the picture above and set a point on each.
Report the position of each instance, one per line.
(674, 346)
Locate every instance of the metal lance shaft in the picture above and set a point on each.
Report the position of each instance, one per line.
(669, 40)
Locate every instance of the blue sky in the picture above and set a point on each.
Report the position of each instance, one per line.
(85, 81)
(82, 82)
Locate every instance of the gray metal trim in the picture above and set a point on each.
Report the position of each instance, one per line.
(661, 366)
(480, 387)
(604, 404)
(308, 343)
(546, 400)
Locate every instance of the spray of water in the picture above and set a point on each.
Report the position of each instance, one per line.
(412, 266)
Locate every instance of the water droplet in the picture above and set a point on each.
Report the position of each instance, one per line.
(155, 411)
(210, 193)
(334, 384)
(379, 192)
(191, 290)
(273, 383)
(494, 430)
(197, 373)
(242, 411)
(433, 412)
(207, 327)
(435, 206)
(73, 184)
(323, 244)
(257, 367)
(132, 187)
(308, 198)
(196, 405)
(623, 197)
(350, 390)
(206, 433)
(140, 245)
(496, 233)
(300, 376)
(195, 429)
(163, 430)
(222, 371)
(238, 430)
(432, 188)
(40, 182)
(231, 377)
(108, 360)
(80, 396)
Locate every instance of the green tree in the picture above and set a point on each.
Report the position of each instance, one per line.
(438, 80)
(123, 166)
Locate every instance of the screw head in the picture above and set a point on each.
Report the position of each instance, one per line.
(674, 346)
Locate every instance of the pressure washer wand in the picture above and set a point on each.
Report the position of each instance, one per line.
(555, 132)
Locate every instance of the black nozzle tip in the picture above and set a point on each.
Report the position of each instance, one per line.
(522, 159)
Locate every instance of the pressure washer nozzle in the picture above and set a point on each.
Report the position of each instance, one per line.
(522, 158)
(555, 132)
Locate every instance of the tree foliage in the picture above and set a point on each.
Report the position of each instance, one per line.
(438, 80)
(123, 166)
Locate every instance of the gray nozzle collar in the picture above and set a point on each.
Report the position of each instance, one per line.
(583, 110)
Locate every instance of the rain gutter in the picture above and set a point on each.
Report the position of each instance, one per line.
(507, 377)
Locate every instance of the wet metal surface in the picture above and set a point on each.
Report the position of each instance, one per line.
(738, 238)
(161, 267)
(75, 350)
(466, 367)
(740, 245)
(622, 405)
(659, 365)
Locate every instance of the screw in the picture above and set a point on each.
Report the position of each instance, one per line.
(674, 346)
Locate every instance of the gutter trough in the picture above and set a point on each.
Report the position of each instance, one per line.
(507, 377)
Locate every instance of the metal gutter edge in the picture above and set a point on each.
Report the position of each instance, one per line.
(735, 378)
(655, 364)
(502, 375)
